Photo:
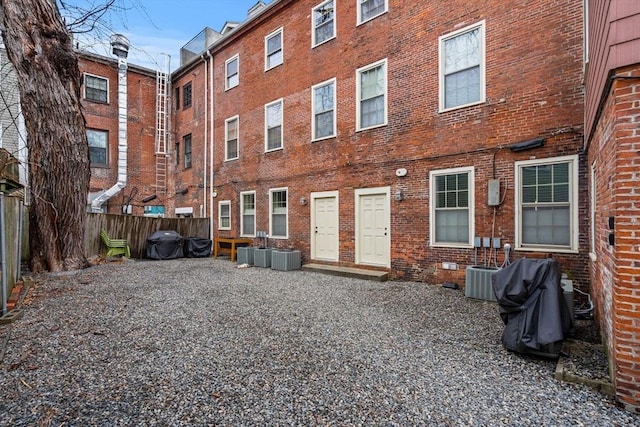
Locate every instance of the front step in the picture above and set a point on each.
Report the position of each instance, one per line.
(358, 273)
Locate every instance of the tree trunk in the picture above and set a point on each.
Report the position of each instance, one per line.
(41, 50)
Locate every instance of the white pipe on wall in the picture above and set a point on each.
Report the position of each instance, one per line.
(120, 46)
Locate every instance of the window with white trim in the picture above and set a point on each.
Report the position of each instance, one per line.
(273, 49)
(462, 67)
(546, 204)
(278, 213)
(369, 9)
(232, 72)
(452, 207)
(224, 215)
(98, 144)
(323, 23)
(372, 95)
(323, 110)
(273, 125)
(186, 140)
(248, 213)
(96, 88)
(231, 128)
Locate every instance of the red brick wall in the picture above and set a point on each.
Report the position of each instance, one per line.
(141, 99)
(615, 269)
(533, 89)
(184, 121)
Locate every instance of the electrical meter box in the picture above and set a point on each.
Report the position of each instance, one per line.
(494, 192)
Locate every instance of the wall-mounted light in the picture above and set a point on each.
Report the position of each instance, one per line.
(399, 196)
(214, 194)
(149, 198)
(303, 201)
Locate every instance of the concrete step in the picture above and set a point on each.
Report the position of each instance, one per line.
(358, 273)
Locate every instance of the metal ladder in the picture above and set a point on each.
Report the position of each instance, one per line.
(162, 90)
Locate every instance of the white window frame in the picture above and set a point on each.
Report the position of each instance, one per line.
(382, 63)
(314, 42)
(481, 26)
(106, 146)
(470, 170)
(266, 125)
(573, 204)
(359, 4)
(314, 113)
(227, 77)
(222, 203)
(188, 155)
(267, 66)
(242, 214)
(235, 118)
(271, 213)
(85, 86)
(593, 212)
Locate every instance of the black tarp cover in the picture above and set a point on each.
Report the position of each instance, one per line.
(532, 306)
(197, 247)
(164, 244)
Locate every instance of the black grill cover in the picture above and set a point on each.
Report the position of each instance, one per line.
(165, 244)
(532, 306)
(197, 247)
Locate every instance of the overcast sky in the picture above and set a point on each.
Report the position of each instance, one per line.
(156, 27)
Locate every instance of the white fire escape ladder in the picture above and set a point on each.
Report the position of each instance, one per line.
(162, 90)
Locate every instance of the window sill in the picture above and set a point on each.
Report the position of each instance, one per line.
(451, 245)
(324, 138)
(547, 249)
(274, 150)
(593, 257)
(458, 107)
(372, 127)
(313, 46)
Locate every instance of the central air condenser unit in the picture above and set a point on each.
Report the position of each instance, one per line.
(477, 282)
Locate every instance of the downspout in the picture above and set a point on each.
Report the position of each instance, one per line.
(120, 45)
(203, 210)
(3, 256)
(211, 141)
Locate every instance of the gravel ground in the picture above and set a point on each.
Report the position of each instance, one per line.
(200, 342)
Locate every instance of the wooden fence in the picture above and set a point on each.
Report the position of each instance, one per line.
(136, 229)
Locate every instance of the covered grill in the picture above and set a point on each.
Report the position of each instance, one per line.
(532, 306)
(165, 244)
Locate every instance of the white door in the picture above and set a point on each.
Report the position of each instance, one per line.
(324, 226)
(373, 236)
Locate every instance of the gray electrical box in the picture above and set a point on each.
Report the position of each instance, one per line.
(494, 192)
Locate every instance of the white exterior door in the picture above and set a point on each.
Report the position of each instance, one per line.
(373, 234)
(324, 226)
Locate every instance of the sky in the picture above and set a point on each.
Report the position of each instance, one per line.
(155, 28)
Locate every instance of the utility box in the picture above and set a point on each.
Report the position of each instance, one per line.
(494, 192)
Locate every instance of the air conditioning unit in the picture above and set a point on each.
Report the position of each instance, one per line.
(477, 282)
(285, 260)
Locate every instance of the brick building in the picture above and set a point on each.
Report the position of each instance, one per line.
(390, 135)
(100, 103)
(371, 133)
(612, 138)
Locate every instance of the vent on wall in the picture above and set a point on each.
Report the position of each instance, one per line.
(477, 282)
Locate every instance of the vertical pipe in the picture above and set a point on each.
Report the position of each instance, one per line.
(206, 124)
(20, 226)
(3, 254)
(211, 143)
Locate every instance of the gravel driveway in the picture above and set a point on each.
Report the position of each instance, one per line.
(200, 342)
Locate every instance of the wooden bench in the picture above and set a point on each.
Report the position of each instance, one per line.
(229, 245)
(115, 246)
